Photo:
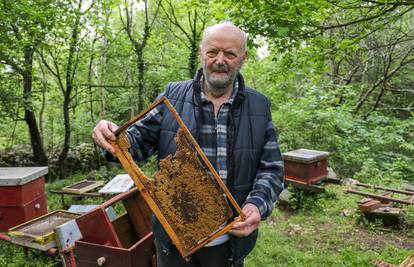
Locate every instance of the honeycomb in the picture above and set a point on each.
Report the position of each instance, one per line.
(190, 199)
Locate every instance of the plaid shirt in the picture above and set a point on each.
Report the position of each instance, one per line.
(213, 133)
(213, 141)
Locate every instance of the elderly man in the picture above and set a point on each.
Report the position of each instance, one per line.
(232, 124)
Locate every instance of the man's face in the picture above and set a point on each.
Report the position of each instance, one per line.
(222, 55)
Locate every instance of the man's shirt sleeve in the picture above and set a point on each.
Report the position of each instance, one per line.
(143, 135)
(268, 183)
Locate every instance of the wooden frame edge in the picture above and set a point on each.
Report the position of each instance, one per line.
(137, 176)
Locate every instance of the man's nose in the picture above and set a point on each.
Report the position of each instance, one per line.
(220, 59)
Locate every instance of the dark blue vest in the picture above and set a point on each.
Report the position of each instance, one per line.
(248, 119)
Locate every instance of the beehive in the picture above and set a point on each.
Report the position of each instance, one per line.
(305, 165)
(125, 241)
(22, 195)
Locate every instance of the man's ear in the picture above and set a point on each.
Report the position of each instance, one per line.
(245, 56)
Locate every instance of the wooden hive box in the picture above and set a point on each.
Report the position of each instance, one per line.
(39, 232)
(193, 206)
(125, 241)
(306, 166)
(22, 195)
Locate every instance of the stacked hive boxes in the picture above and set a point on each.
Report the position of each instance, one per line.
(22, 195)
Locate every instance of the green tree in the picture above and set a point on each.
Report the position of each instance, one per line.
(189, 18)
(139, 40)
(24, 26)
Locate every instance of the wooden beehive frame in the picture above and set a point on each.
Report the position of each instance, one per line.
(121, 146)
(82, 186)
(42, 226)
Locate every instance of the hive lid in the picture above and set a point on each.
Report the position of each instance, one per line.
(305, 155)
(11, 176)
(119, 184)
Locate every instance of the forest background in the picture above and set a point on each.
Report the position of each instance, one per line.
(339, 75)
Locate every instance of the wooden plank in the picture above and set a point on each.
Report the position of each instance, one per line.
(88, 253)
(305, 186)
(119, 197)
(139, 213)
(76, 193)
(404, 192)
(333, 180)
(408, 262)
(125, 230)
(139, 255)
(379, 197)
(369, 204)
(96, 227)
(82, 186)
(29, 243)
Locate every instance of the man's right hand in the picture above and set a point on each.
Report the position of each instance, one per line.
(103, 132)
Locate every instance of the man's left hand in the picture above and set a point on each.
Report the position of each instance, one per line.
(252, 221)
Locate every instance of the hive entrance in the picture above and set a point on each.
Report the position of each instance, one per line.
(185, 194)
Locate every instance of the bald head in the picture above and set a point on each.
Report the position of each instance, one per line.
(226, 27)
(222, 53)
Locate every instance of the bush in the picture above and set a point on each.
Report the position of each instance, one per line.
(81, 158)
(377, 147)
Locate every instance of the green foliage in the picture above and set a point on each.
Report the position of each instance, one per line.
(338, 75)
(300, 199)
(280, 21)
(311, 108)
(12, 256)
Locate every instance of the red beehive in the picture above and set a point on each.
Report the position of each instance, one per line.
(306, 166)
(22, 195)
(124, 241)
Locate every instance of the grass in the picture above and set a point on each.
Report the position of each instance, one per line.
(314, 233)
(320, 235)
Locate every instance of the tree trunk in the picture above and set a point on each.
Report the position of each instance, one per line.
(41, 114)
(130, 83)
(102, 80)
(43, 105)
(141, 75)
(70, 74)
(66, 121)
(192, 60)
(29, 115)
(90, 65)
(139, 47)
